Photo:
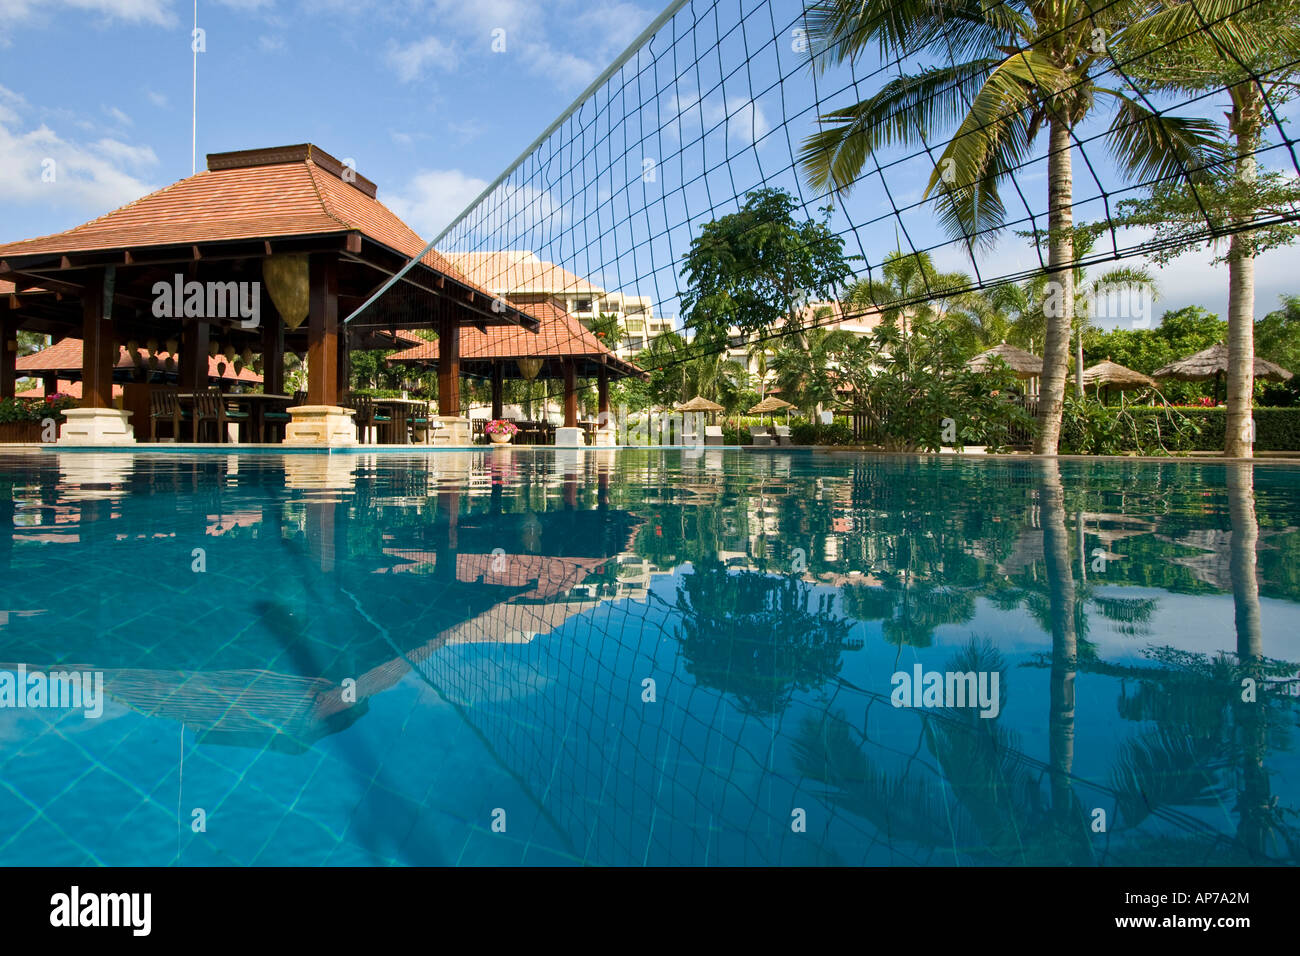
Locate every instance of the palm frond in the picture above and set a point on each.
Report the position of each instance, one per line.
(903, 112)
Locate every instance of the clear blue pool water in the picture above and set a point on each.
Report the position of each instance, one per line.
(530, 656)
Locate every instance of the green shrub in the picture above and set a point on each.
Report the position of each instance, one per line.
(1088, 428)
(815, 433)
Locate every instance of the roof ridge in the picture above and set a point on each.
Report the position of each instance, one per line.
(312, 169)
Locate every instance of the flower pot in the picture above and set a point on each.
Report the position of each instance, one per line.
(499, 438)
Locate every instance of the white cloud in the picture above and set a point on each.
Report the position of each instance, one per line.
(409, 61)
(120, 118)
(132, 11)
(588, 37)
(270, 44)
(434, 198)
(157, 99)
(88, 177)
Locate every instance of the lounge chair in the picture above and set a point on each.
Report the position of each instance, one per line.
(759, 435)
(713, 435)
(781, 434)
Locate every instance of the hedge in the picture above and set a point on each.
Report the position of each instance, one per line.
(1276, 429)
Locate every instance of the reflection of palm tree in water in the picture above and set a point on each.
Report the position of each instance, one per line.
(1255, 830)
(1066, 812)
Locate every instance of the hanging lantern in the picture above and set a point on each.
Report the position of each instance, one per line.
(170, 364)
(246, 356)
(151, 346)
(229, 352)
(529, 367)
(221, 370)
(287, 283)
(213, 348)
(238, 366)
(172, 346)
(153, 362)
(132, 346)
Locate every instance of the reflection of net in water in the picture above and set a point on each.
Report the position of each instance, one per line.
(694, 778)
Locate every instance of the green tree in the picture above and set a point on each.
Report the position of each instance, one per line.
(1005, 72)
(757, 269)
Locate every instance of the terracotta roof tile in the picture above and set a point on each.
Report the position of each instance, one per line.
(246, 202)
(559, 335)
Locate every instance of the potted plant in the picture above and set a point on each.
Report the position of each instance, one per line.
(499, 431)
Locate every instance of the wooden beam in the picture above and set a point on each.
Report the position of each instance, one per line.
(570, 393)
(498, 388)
(97, 353)
(8, 357)
(448, 363)
(323, 331)
(353, 242)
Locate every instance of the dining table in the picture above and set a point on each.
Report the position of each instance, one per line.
(254, 404)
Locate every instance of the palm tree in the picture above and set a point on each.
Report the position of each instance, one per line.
(1250, 49)
(804, 372)
(1024, 65)
(909, 288)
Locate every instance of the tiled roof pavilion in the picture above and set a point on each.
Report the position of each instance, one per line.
(220, 225)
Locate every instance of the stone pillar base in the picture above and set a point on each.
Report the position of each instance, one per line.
(570, 438)
(454, 431)
(322, 426)
(605, 438)
(96, 426)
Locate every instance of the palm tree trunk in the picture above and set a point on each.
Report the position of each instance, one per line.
(1239, 433)
(1056, 349)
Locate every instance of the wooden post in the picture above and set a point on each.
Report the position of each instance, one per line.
(602, 393)
(323, 332)
(8, 357)
(50, 383)
(498, 389)
(97, 353)
(570, 394)
(194, 357)
(273, 355)
(448, 363)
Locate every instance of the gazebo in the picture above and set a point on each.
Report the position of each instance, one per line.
(563, 349)
(1212, 363)
(262, 250)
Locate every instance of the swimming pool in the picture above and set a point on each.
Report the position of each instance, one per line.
(533, 656)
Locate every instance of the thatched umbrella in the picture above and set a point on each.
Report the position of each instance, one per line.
(1212, 363)
(772, 404)
(1113, 375)
(1024, 364)
(699, 404)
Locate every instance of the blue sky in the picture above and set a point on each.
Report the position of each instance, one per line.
(413, 91)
